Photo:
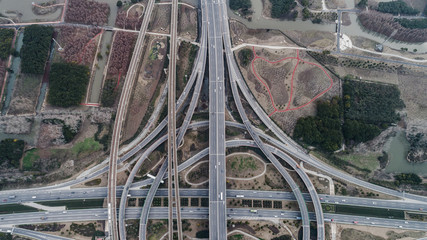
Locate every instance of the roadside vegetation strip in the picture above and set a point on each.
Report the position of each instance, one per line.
(16, 208)
(76, 204)
(364, 211)
(288, 108)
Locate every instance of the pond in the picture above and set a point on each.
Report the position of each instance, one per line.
(397, 148)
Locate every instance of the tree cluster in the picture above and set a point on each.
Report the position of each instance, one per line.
(385, 24)
(35, 49)
(396, 7)
(323, 130)
(362, 3)
(239, 4)
(412, 23)
(6, 38)
(371, 102)
(133, 21)
(202, 234)
(281, 8)
(77, 47)
(67, 84)
(359, 131)
(245, 56)
(11, 151)
(109, 93)
(407, 178)
(121, 53)
(87, 12)
(418, 147)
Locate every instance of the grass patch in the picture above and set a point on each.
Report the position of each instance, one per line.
(16, 208)
(94, 182)
(369, 161)
(364, 211)
(76, 204)
(89, 145)
(29, 158)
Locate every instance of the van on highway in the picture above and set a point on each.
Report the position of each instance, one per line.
(254, 211)
(33, 197)
(12, 196)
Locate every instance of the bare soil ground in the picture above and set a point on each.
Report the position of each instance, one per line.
(195, 226)
(277, 77)
(200, 173)
(309, 81)
(66, 231)
(244, 165)
(160, 19)
(314, 39)
(130, 18)
(187, 22)
(25, 94)
(194, 141)
(315, 4)
(241, 34)
(183, 67)
(272, 180)
(347, 232)
(413, 88)
(263, 229)
(146, 84)
(333, 4)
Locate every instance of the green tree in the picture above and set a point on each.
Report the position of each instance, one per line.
(119, 3)
(6, 37)
(34, 52)
(240, 4)
(245, 56)
(281, 8)
(11, 151)
(68, 82)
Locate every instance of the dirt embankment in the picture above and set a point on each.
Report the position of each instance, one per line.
(146, 84)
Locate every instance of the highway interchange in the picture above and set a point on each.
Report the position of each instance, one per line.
(215, 40)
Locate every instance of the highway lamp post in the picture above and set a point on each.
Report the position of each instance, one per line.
(60, 49)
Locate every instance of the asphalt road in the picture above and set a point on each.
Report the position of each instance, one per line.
(31, 234)
(101, 192)
(202, 213)
(217, 178)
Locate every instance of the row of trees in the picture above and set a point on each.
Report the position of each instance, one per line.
(67, 84)
(385, 24)
(6, 38)
(282, 8)
(397, 7)
(407, 178)
(121, 53)
(35, 49)
(87, 12)
(412, 23)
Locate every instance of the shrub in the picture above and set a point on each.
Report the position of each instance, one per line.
(245, 57)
